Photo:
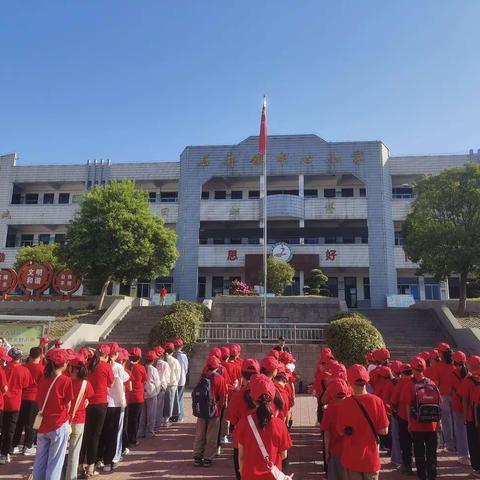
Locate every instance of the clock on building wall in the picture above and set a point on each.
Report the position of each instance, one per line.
(282, 251)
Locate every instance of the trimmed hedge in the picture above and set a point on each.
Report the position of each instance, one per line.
(340, 315)
(351, 338)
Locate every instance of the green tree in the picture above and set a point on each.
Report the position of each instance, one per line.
(318, 283)
(279, 275)
(442, 231)
(43, 253)
(114, 236)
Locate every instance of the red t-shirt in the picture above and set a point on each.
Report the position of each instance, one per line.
(88, 394)
(276, 440)
(443, 376)
(467, 391)
(456, 398)
(138, 379)
(55, 413)
(3, 384)
(360, 450)
(329, 424)
(284, 393)
(396, 398)
(36, 371)
(18, 378)
(101, 378)
(237, 409)
(408, 397)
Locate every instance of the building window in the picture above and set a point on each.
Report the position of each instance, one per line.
(282, 192)
(202, 286)
(64, 198)
(333, 286)
(205, 195)
(402, 192)
(152, 197)
(16, 198)
(236, 195)
(44, 238)
(329, 193)
(11, 241)
(363, 192)
(31, 198)
(235, 241)
(408, 286)
(432, 289)
(48, 198)
(162, 282)
(366, 288)
(347, 192)
(348, 239)
(60, 238)
(168, 197)
(399, 241)
(203, 241)
(254, 194)
(219, 241)
(26, 240)
(254, 241)
(311, 241)
(331, 239)
(365, 238)
(310, 193)
(220, 195)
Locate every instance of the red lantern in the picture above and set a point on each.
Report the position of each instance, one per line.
(65, 283)
(34, 279)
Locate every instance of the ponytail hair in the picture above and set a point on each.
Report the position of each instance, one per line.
(49, 369)
(447, 357)
(278, 401)
(248, 400)
(94, 361)
(264, 414)
(463, 370)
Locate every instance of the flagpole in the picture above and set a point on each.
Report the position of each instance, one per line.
(265, 242)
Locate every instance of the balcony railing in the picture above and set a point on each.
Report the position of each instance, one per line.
(216, 332)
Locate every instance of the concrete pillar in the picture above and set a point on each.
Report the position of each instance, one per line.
(302, 281)
(116, 289)
(444, 292)
(421, 287)
(301, 185)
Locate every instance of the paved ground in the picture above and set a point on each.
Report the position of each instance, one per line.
(169, 456)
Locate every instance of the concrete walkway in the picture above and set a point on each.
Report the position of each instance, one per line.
(169, 456)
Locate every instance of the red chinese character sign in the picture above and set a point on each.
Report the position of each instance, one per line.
(66, 283)
(232, 255)
(8, 282)
(330, 255)
(34, 279)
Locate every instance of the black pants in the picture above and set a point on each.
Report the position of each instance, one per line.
(28, 412)
(425, 451)
(108, 439)
(473, 437)
(9, 424)
(94, 419)
(236, 464)
(134, 411)
(405, 442)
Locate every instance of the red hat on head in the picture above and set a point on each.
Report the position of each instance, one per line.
(381, 355)
(160, 351)
(473, 362)
(443, 347)
(384, 372)
(135, 352)
(169, 347)
(234, 350)
(239, 348)
(213, 362)
(261, 385)
(216, 352)
(337, 388)
(224, 353)
(58, 342)
(151, 356)
(275, 354)
(44, 340)
(251, 365)
(406, 367)
(336, 369)
(178, 342)
(459, 357)
(85, 351)
(370, 357)
(71, 353)
(281, 368)
(104, 349)
(114, 348)
(269, 364)
(285, 357)
(396, 367)
(418, 363)
(123, 354)
(434, 354)
(4, 355)
(357, 373)
(78, 360)
(425, 355)
(58, 356)
(325, 355)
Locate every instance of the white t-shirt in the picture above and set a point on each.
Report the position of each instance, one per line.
(163, 372)
(174, 370)
(116, 393)
(183, 361)
(152, 387)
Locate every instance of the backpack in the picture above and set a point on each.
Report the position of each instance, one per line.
(426, 403)
(203, 403)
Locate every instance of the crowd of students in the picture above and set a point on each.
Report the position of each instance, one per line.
(85, 410)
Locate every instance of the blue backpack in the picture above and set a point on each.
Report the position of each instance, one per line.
(203, 403)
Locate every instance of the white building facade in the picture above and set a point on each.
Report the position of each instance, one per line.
(338, 206)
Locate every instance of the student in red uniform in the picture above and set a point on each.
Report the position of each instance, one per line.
(281, 384)
(53, 397)
(18, 378)
(135, 396)
(337, 391)
(100, 375)
(360, 455)
(271, 430)
(82, 392)
(3, 380)
(459, 423)
(29, 407)
(423, 433)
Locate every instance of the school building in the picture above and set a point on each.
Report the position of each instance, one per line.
(334, 205)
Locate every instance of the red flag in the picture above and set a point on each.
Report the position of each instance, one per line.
(262, 141)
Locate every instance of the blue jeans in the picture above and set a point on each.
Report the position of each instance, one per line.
(460, 434)
(51, 448)
(118, 453)
(169, 402)
(178, 403)
(160, 405)
(148, 417)
(447, 423)
(396, 451)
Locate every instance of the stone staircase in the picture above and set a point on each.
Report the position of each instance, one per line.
(408, 331)
(135, 327)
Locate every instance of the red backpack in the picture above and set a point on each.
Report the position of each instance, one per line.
(425, 407)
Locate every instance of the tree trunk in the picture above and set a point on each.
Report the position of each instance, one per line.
(462, 301)
(103, 294)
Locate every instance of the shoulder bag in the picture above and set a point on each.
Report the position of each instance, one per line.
(369, 420)
(38, 419)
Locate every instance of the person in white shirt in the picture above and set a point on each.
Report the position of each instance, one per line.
(152, 388)
(172, 384)
(122, 359)
(164, 375)
(178, 410)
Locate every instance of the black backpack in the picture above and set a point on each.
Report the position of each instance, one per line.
(203, 403)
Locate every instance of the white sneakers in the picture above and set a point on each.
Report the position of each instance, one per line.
(4, 459)
(29, 451)
(224, 440)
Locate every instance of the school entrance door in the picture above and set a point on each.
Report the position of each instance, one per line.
(351, 291)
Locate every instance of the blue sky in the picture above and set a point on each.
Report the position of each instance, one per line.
(140, 80)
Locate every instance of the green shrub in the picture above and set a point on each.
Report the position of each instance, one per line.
(182, 320)
(352, 338)
(340, 315)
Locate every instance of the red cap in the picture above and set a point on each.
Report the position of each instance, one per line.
(370, 357)
(286, 357)
(251, 365)
(4, 355)
(234, 350)
(71, 353)
(104, 349)
(262, 385)
(44, 340)
(123, 354)
(418, 363)
(224, 353)
(178, 342)
(114, 348)
(434, 354)
(384, 372)
(336, 369)
(58, 342)
(381, 355)
(160, 351)
(337, 388)
(425, 355)
(78, 360)
(213, 362)
(58, 356)
(473, 362)
(275, 354)
(406, 367)
(357, 373)
(135, 352)
(169, 347)
(216, 352)
(396, 367)
(269, 364)
(459, 357)
(443, 347)
(151, 356)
